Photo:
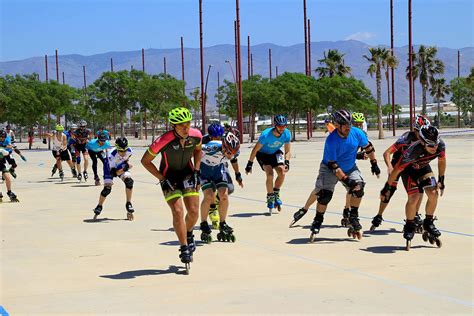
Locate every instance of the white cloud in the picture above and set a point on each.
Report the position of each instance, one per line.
(361, 36)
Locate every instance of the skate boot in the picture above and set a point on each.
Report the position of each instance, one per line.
(86, 176)
(226, 233)
(61, 175)
(376, 222)
(205, 232)
(12, 196)
(191, 242)
(23, 158)
(418, 224)
(298, 215)
(186, 257)
(354, 226)
(1, 197)
(430, 232)
(97, 211)
(316, 226)
(278, 201)
(345, 217)
(409, 232)
(74, 172)
(53, 171)
(270, 202)
(130, 211)
(214, 216)
(79, 176)
(12, 172)
(97, 180)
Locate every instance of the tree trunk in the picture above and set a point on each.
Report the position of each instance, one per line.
(293, 137)
(379, 103)
(153, 122)
(424, 88)
(122, 130)
(252, 135)
(439, 113)
(115, 123)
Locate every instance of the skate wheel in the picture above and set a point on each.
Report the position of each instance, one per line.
(292, 223)
(372, 228)
(279, 208)
(232, 238)
(349, 232)
(424, 236)
(95, 216)
(187, 266)
(431, 240)
(438, 243)
(219, 236)
(358, 235)
(130, 216)
(408, 245)
(270, 211)
(343, 222)
(312, 237)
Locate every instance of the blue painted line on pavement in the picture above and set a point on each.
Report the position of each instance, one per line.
(364, 217)
(3, 312)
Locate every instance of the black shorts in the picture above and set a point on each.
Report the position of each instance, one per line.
(276, 159)
(179, 180)
(411, 178)
(3, 165)
(80, 148)
(63, 154)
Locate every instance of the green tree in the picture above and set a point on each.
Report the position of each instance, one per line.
(380, 58)
(463, 95)
(439, 89)
(333, 65)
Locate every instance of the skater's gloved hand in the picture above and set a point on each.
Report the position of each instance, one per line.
(248, 168)
(126, 167)
(113, 172)
(375, 168)
(352, 184)
(195, 179)
(441, 185)
(287, 165)
(44, 140)
(361, 155)
(166, 185)
(238, 178)
(23, 158)
(387, 192)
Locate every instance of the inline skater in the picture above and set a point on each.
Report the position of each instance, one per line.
(214, 177)
(117, 165)
(81, 136)
(9, 158)
(420, 177)
(6, 149)
(338, 164)
(59, 150)
(397, 149)
(178, 176)
(270, 158)
(96, 148)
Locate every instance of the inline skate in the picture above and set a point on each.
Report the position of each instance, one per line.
(376, 222)
(409, 232)
(430, 232)
(130, 211)
(278, 201)
(12, 196)
(298, 215)
(345, 217)
(418, 224)
(354, 226)
(270, 202)
(226, 233)
(186, 257)
(205, 232)
(86, 176)
(97, 211)
(316, 226)
(214, 216)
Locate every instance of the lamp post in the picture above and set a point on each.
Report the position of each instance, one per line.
(205, 87)
(235, 83)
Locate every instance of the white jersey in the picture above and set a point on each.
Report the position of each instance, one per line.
(212, 156)
(58, 143)
(117, 161)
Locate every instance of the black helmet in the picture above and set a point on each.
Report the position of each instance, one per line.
(82, 123)
(429, 135)
(102, 137)
(121, 143)
(342, 117)
(3, 133)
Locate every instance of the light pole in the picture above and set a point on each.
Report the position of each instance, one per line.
(205, 87)
(233, 74)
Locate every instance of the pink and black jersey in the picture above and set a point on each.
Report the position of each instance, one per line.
(417, 157)
(402, 143)
(81, 136)
(174, 156)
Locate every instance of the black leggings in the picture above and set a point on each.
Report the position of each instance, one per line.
(94, 155)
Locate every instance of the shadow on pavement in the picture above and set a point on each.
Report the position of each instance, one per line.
(320, 240)
(380, 232)
(171, 229)
(176, 243)
(44, 181)
(249, 214)
(322, 226)
(66, 182)
(391, 249)
(102, 220)
(138, 273)
(83, 185)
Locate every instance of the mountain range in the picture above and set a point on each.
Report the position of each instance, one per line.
(286, 58)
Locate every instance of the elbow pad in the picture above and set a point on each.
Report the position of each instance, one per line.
(369, 148)
(333, 165)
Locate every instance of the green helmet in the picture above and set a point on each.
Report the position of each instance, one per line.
(59, 128)
(179, 115)
(358, 117)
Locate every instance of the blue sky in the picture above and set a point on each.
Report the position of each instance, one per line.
(36, 27)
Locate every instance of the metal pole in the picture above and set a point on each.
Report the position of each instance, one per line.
(236, 52)
(46, 67)
(251, 63)
(57, 67)
(459, 105)
(182, 65)
(305, 39)
(143, 60)
(111, 65)
(63, 78)
(84, 74)
(144, 114)
(248, 57)
(392, 70)
(218, 87)
(270, 62)
(410, 64)
(164, 65)
(203, 105)
(240, 119)
(310, 114)
(205, 86)
(49, 112)
(276, 71)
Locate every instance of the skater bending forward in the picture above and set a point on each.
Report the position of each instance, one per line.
(117, 165)
(339, 164)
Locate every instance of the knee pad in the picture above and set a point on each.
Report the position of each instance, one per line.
(324, 197)
(359, 193)
(427, 183)
(78, 159)
(128, 183)
(106, 191)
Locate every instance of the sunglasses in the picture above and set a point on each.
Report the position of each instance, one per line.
(431, 145)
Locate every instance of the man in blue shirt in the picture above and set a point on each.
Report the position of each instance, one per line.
(269, 157)
(339, 164)
(96, 149)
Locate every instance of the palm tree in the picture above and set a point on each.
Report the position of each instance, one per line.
(334, 65)
(380, 59)
(425, 67)
(438, 90)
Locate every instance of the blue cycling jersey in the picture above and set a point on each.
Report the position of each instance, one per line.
(93, 145)
(344, 150)
(271, 143)
(6, 142)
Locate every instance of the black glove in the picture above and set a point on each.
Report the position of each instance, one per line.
(360, 155)
(44, 140)
(126, 167)
(248, 168)
(113, 172)
(238, 177)
(287, 164)
(441, 181)
(195, 179)
(349, 182)
(166, 185)
(374, 167)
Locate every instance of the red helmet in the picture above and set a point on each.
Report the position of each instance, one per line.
(420, 121)
(230, 143)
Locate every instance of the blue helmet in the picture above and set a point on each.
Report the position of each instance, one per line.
(102, 136)
(280, 120)
(215, 130)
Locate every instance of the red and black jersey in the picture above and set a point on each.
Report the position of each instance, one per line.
(416, 157)
(402, 143)
(81, 135)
